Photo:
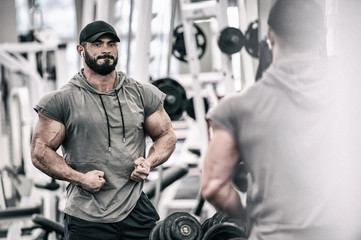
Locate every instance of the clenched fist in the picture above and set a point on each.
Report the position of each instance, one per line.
(93, 181)
(141, 170)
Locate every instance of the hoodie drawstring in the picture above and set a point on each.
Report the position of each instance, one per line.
(121, 114)
(106, 116)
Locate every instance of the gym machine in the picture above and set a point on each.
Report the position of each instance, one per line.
(28, 71)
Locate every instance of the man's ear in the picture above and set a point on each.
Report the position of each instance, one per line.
(80, 50)
(271, 36)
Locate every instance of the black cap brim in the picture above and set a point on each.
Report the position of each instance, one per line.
(98, 35)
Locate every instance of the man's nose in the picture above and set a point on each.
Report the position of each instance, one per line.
(106, 49)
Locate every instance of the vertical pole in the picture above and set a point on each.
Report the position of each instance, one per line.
(8, 18)
(247, 64)
(170, 47)
(102, 10)
(87, 13)
(129, 40)
(61, 66)
(227, 71)
(142, 41)
(194, 67)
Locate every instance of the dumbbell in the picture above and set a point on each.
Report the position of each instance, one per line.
(154, 234)
(177, 226)
(224, 231)
(221, 226)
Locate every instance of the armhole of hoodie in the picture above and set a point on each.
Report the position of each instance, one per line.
(142, 101)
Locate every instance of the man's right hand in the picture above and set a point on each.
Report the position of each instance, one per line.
(93, 181)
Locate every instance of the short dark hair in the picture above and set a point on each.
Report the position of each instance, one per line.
(300, 24)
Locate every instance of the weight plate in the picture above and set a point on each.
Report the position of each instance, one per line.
(175, 97)
(190, 107)
(178, 46)
(231, 40)
(216, 218)
(166, 228)
(223, 231)
(154, 234)
(252, 42)
(186, 227)
(206, 225)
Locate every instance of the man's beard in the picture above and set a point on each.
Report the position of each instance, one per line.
(102, 69)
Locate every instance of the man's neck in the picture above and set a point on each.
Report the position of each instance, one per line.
(286, 54)
(103, 83)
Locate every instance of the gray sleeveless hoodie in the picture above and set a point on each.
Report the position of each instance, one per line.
(297, 135)
(104, 131)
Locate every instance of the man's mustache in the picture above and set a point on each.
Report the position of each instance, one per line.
(106, 56)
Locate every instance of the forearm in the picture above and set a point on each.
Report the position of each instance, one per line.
(162, 149)
(52, 164)
(227, 200)
(220, 164)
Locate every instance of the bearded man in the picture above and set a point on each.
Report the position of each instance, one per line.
(100, 119)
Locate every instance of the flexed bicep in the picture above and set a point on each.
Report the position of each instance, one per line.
(159, 127)
(158, 124)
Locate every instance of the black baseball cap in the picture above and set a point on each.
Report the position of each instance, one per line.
(94, 30)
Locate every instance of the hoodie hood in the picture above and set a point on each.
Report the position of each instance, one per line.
(302, 80)
(80, 81)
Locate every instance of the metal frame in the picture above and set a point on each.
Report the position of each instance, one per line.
(24, 94)
(142, 40)
(191, 12)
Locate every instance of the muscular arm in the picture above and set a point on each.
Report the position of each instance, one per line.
(220, 164)
(160, 130)
(48, 136)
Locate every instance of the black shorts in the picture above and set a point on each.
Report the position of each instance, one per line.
(137, 225)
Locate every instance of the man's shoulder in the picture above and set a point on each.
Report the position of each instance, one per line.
(245, 100)
(133, 83)
(62, 92)
(130, 81)
(250, 92)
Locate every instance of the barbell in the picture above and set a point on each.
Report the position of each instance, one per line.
(230, 41)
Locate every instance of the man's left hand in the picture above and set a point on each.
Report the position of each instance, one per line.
(141, 170)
